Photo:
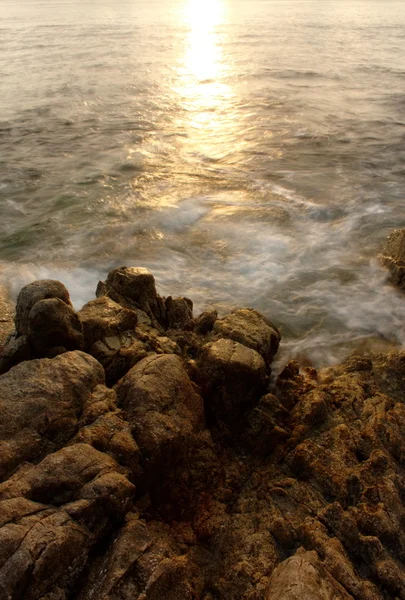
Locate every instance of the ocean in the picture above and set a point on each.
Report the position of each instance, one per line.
(248, 152)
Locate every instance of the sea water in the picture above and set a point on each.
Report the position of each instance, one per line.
(248, 152)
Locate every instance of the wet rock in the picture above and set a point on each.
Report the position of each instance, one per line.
(232, 376)
(303, 577)
(179, 313)
(102, 318)
(134, 288)
(40, 403)
(205, 322)
(31, 294)
(52, 324)
(250, 328)
(393, 257)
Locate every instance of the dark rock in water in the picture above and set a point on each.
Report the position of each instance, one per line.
(393, 257)
(134, 287)
(232, 376)
(205, 322)
(33, 293)
(179, 313)
(250, 328)
(103, 317)
(54, 324)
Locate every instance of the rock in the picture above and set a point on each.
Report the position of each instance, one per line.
(31, 294)
(205, 322)
(103, 426)
(250, 328)
(266, 426)
(7, 313)
(14, 351)
(54, 513)
(179, 313)
(54, 324)
(40, 403)
(232, 376)
(134, 288)
(302, 577)
(393, 257)
(103, 318)
(144, 563)
(163, 409)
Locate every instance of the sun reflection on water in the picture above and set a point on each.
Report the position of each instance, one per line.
(204, 85)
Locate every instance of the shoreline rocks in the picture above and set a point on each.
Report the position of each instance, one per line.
(148, 455)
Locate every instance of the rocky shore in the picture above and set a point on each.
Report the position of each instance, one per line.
(148, 455)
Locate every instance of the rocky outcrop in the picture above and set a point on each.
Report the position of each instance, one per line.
(165, 462)
(393, 257)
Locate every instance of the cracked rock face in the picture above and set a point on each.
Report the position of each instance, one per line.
(168, 466)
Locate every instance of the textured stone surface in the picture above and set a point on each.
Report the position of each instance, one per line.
(31, 294)
(103, 318)
(134, 287)
(54, 327)
(250, 328)
(393, 257)
(232, 376)
(290, 490)
(40, 404)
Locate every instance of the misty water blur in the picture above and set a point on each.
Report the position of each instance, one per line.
(248, 152)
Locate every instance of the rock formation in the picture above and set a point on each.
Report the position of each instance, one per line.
(148, 455)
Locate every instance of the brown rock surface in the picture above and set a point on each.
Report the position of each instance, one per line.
(134, 288)
(53, 328)
(250, 328)
(393, 256)
(291, 491)
(232, 377)
(31, 294)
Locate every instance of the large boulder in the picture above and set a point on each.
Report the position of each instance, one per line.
(134, 288)
(179, 313)
(103, 318)
(31, 294)
(232, 376)
(393, 257)
(54, 327)
(250, 328)
(163, 408)
(40, 403)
